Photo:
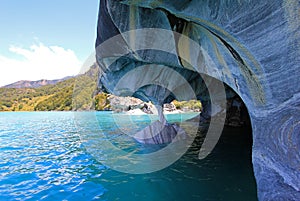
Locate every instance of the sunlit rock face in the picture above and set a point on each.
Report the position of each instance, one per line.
(252, 46)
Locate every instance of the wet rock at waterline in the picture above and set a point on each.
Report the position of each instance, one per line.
(160, 133)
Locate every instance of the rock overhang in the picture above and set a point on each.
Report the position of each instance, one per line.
(252, 46)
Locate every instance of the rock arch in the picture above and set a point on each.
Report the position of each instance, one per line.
(252, 46)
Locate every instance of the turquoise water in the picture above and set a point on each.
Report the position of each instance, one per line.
(42, 158)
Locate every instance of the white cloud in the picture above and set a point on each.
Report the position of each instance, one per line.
(38, 62)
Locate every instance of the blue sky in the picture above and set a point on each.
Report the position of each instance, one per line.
(59, 33)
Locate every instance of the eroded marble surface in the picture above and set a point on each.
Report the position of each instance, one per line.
(252, 46)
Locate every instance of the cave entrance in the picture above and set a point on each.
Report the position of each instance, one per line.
(227, 172)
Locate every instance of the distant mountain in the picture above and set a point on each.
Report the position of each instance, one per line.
(34, 84)
(70, 93)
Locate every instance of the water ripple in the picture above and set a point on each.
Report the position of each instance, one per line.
(42, 158)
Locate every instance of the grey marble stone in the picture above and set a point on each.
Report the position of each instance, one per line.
(252, 46)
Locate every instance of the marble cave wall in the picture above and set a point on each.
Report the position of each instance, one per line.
(253, 46)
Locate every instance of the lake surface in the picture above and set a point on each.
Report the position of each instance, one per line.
(42, 157)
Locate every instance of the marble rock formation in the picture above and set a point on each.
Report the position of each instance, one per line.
(251, 46)
(160, 132)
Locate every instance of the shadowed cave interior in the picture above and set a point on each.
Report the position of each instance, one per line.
(251, 46)
(225, 174)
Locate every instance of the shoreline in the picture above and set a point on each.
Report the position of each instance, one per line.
(140, 112)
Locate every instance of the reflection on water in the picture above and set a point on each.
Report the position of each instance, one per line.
(42, 158)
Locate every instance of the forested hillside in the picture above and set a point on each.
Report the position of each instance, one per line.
(56, 97)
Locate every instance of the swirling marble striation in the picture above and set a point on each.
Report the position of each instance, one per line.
(252, 46)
